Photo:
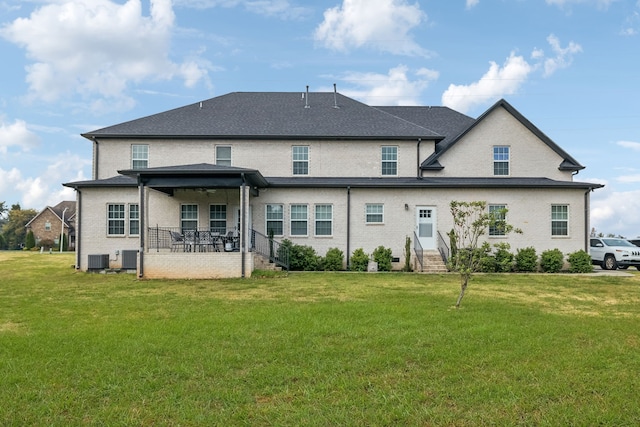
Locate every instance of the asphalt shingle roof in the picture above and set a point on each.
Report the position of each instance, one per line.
(268, 115)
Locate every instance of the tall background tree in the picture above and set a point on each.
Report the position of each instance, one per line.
(13, 231)
(471, 220)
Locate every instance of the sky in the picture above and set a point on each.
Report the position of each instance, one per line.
(572, 67)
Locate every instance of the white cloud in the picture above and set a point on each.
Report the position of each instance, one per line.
(495, 83)
(17, 134)
(602, 4)
(629, 144)
(616, 212)
(97, 48)
(379, 24)
(563, 56)
(472, 3)
(394, 88)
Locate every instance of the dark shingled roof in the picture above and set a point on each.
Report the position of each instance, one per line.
(269, 115)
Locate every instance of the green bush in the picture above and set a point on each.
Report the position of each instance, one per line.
(333, 260)
(301, 258)
(551, 261)
(526, 260)
(407, 254)
(30, 240)
(580, 262)
(487, 261)
(504, 258)
(359, 260)
(383, 257)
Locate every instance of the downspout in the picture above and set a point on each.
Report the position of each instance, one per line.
(244, 230)
(418, 174)
(96, 157)
(79, 227)
(142, 226)
(348, 225)
(587, 226)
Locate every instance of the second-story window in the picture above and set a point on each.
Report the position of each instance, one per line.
(139, 156)
(389, 160)
(300, 156)
(501, 158)
(223, 155)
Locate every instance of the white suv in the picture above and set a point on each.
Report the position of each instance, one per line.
(612, 253)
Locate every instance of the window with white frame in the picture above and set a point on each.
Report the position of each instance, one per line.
(139, 156)
(189, 217)
(374, 213)
(300, 156)
(223, 155)
(116, 219)
(324, 220)
(389, 160)
(501, 158)
(275, 219)
(134, 220)
(47, 226)
(299, 220)
(218, 218)
(498, 218)
(559, 220)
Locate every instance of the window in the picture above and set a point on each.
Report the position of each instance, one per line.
(498, 215)
(139, 156)
(115, 219)
(375, 214)
(275, 220)
(559, 220)
(223, 155)
(299, 217)
(300, 155)
(47, 226)
(134, 220)
(501, 160)
(389, 160)
(189, 217)
(324, 220)
(218, 218)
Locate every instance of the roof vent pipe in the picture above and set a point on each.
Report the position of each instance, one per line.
(306, 98)
(335, 96)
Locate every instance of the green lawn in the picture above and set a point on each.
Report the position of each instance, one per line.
(315, 349)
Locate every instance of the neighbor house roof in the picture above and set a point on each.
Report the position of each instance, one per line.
(272, 115)
(58, 210)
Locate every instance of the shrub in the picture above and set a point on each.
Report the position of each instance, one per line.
(551, 261)
(504, 258)
(580, 262)
(359, 260)
(487, 261)
(407, 254)
(333, 260)
(383, 257)
(30, 240)
(526, 260)
(301, 258)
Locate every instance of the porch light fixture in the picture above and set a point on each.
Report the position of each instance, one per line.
(406, 206)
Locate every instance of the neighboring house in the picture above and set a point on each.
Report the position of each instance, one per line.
(319, 169)
(48, 225)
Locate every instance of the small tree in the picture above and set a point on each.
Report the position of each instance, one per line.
(407, 254)
(30, 241)
(470, 221)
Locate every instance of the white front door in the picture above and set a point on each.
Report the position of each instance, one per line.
(426, 226)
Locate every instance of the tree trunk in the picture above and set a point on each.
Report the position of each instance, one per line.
(463, 287)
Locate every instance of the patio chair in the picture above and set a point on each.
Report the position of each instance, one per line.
(190, 240)
(177, 241)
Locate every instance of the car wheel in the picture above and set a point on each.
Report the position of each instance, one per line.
(609, 263)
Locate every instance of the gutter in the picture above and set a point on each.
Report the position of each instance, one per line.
(418, 174)
(348, 225)
(243, 220)
(78, 228)
(96, 156)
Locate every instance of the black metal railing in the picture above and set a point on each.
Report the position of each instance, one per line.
(417, 248)
(191, 240)
(275, 251)
(443, 248)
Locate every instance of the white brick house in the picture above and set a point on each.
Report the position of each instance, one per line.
(319, 169)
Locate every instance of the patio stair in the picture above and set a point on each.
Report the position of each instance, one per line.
(432, 263)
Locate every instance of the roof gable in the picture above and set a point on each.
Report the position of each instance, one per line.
(568, 163)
